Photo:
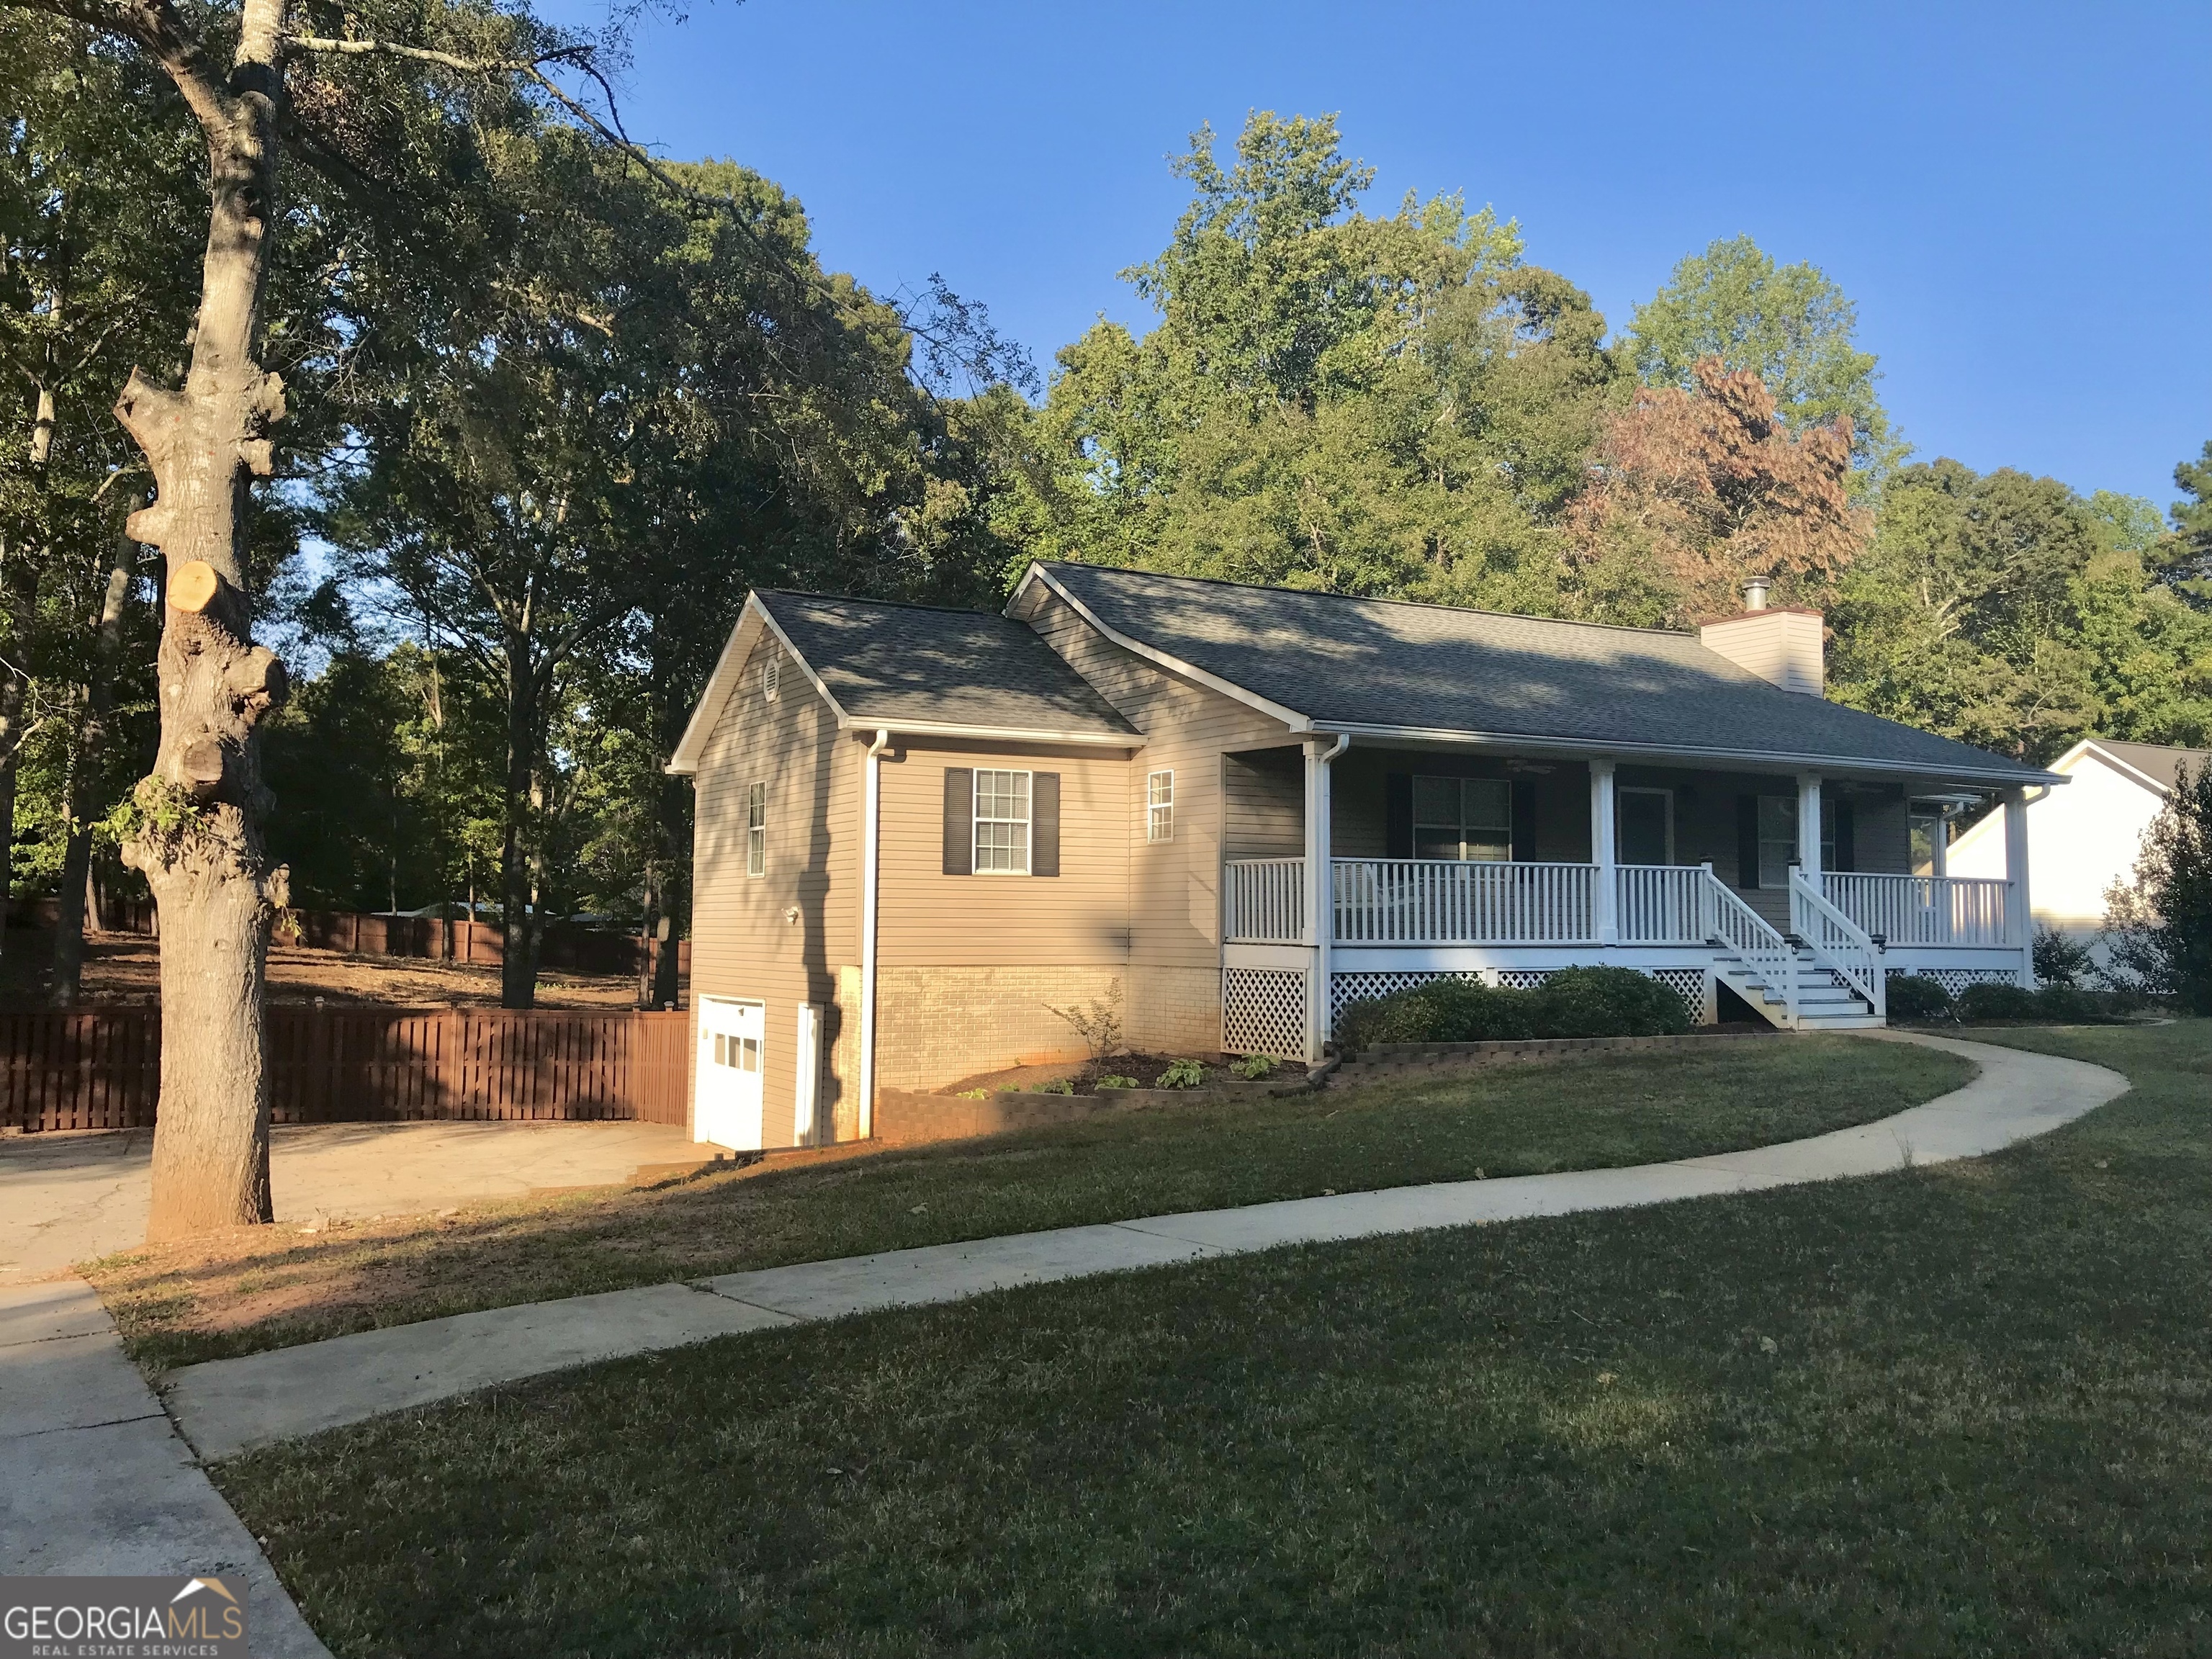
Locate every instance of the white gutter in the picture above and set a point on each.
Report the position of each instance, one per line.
(998, 733)
(1768, 760)
(872, 795)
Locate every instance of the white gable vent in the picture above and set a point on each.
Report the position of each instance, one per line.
(772, 676)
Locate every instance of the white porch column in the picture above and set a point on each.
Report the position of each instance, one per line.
(1604, 852)
(2019, 925)
(1809, 825)
(1320, 905)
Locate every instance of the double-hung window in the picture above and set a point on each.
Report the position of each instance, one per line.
(1463, 818)
(1777, 838)
(756, 828)
(1002, 822)
(1159, 806)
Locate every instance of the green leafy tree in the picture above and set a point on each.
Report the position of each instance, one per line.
(2159, 924)
(2185, 555)
(1789, 325)
(1330, 399)
(2003, 610)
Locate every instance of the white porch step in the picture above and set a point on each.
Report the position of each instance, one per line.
(1824, 1003)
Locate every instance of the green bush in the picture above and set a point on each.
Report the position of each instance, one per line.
(1253, 1067)
(1919, 999)
(1183, 1074)
(1995, 1000)
(2059, 959)
(1059, 1085)
(1116, 1080)
(1607, 1002)
(1576, 1002)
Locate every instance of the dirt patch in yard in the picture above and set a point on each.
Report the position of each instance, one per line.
(122, 970)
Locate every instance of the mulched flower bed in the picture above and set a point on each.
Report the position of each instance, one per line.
(1144, 1070)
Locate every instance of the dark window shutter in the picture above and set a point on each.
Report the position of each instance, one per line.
(1398, 815)
(1747, 841)
(1525, 821)
(1044, 823)
(1847, 838)
(960, 821)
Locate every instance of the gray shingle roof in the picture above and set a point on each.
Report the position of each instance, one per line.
(2156, 760)
(1340, 659)
(906, 663)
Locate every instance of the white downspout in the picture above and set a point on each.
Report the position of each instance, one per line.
(1321, 892)
(871, 810)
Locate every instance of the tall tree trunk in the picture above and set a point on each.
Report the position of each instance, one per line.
(518, 972)
(198, 836)
(82, 790)
(19, 593)
(672, 827)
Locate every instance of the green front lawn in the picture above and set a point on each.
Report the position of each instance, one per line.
(1965, 1409)
(269, 1289)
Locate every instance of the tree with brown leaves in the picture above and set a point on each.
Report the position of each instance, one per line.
(1696, 492)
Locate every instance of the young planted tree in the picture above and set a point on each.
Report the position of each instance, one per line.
(2159, 924)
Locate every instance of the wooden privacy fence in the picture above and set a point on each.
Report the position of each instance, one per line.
(101, 1068)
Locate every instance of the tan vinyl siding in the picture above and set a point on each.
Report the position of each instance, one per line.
(1175, 887)
(926, 918)
(1264, 804)
(744, 945)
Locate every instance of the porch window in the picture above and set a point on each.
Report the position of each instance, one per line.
(1002, 822)
(1465, 818)
(1926, 827)
(1645, 822)
(1777, 837)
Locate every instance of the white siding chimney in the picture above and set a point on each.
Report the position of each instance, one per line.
(1780, 646)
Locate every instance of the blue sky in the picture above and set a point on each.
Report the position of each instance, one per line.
(2016, 196)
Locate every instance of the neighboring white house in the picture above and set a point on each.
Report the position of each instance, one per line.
(2081, 840)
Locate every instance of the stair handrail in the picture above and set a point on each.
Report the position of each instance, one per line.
(1733, 925)
(1837, 943)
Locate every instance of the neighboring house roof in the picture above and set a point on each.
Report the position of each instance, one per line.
(2155, 761)
(1337, 662)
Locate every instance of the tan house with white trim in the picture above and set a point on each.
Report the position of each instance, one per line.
(922, 830)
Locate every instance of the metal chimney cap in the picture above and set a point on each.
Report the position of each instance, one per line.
(1755, 593)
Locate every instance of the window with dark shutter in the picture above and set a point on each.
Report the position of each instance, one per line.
(1398, 815)
(1525, 821)
(959, 820)
(1847, 838)
(1044, 823)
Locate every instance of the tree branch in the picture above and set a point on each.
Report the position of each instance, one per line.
(156, 26)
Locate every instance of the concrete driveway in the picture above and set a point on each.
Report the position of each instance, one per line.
(68, 1198)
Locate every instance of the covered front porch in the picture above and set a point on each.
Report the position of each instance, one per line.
(1794, 892)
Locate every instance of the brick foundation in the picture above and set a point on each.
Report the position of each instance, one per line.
(937, 1025)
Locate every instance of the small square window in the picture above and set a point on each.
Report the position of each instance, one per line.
(1002, 822)
(1159, 806)
(756, 829)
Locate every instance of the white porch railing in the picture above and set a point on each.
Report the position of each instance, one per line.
(1836, 942)
(1264, 901)
(1661, 904)
(1743, 930)
(1922, 910)
(1445, 902)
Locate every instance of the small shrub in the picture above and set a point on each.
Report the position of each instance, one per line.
(2060, 959)
(1116, 1080)
(1607, 1002)
(2070, 1005)
(1994, 1001)
(1253, 1067)
(1059, 1085)
(973, 1094)
(1183, 1074)
(1919, 999)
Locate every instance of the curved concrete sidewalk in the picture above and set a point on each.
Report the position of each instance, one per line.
(228, 1406)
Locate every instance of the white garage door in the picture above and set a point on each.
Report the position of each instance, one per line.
(730, 1034)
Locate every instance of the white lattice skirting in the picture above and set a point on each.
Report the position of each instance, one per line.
(1263, 1011)
(1345, 989)
(1955, 980)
